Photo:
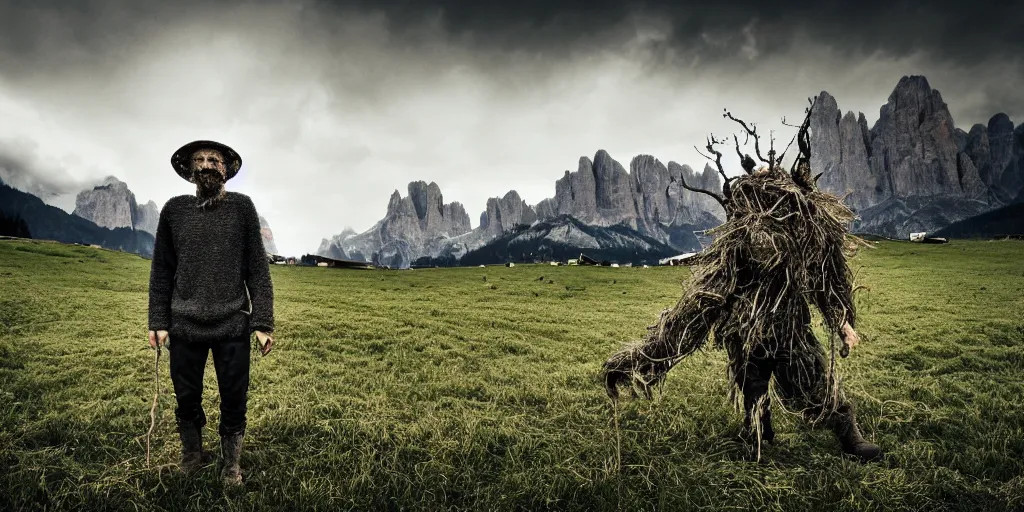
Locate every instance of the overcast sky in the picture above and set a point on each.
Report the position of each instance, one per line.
(334, 105)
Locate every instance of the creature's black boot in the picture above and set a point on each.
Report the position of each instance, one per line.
(767, 432)
(192, 455)
(854, 444)
(231, 447)
(755, 397)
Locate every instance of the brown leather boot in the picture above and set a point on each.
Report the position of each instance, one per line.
(231, 448)
(193, 457)
(854, 444)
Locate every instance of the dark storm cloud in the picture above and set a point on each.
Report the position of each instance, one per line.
(972, 39)
(964, 32)
(21, 167)
(975, 39)
(960, 31)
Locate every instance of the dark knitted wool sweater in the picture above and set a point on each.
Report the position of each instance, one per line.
(207, 263)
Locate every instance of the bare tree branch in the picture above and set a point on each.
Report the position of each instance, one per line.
(790, 125)
(751, 132)
(784, 151)
(801, 170)
(718, 156)
(702, 154)
(720, 199)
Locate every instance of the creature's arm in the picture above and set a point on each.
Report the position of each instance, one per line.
(161, 275)
(680, 332)
(684, 329)
(261, 288)
(832, 291)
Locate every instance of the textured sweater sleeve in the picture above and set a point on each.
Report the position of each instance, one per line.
(261, 288)
(161, 275)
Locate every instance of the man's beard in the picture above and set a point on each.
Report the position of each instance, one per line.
(209, 185)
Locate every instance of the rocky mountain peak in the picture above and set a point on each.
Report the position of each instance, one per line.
(414, 226)
(268, 236)
(111, 204)
(146, 217)
(1000, 123)
(394, 202)
(916, 83)
(649, 197)
(913, 170)
(111, 181)
(1006, 165)
(425, 197)
(347, 232)
(506, 212)
(840, 153)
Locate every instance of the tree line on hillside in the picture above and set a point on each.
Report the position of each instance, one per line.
(13, 226)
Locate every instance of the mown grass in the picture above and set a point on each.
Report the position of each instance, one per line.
(475, 388)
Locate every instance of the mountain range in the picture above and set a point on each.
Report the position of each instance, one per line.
(106, 215)
(913, 170)
(564, 237)
(649, 200)
(52, 223)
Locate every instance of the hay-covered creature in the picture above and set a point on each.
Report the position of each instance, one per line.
(784, 245)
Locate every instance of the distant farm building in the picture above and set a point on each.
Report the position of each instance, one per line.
(923, 238)
(323, 261)
(681, 259)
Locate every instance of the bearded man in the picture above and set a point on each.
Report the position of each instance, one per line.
(209, 291)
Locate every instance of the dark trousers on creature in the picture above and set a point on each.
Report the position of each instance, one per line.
(803, 384)
(800, 380)
(231, 363)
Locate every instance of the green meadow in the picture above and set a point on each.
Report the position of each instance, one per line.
(477, 389)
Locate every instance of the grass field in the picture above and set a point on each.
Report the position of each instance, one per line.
(476, 388)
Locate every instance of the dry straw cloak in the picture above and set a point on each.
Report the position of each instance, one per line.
(783, 246)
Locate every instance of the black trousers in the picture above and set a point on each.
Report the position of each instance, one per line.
(800, 376)
(231, 362)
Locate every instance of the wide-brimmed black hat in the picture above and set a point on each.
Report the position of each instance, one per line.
(181, 160)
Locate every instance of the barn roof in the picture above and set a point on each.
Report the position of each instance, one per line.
(339, 262)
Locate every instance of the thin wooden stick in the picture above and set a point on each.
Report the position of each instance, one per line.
(156, 397)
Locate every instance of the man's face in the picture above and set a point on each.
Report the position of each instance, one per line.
(209, 159)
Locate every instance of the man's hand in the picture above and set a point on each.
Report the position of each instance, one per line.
(157, 337)
(850, 336)
(266, 342)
